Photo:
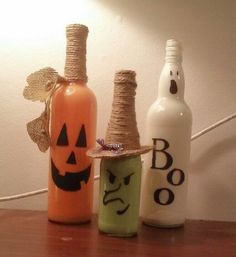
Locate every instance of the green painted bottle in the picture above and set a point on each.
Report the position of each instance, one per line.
(120, 171)
(119, 196)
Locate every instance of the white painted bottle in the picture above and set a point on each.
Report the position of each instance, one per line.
(168, 128)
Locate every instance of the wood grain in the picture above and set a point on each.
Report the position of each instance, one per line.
(29, 234)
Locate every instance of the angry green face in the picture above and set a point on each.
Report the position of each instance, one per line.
(120, 191)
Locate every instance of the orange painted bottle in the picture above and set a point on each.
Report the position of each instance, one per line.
(72, 133)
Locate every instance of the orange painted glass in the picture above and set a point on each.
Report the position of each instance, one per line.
(73, 132)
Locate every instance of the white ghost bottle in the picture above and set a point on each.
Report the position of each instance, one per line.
(168, 128)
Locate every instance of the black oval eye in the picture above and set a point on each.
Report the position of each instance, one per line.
(62, 138)
(82, 141)
(177, 73)
(127, 179)
(171, 73)
(112, 177)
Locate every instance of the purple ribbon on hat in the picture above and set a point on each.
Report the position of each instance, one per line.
(110, 147)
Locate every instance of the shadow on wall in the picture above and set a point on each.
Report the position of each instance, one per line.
(210, 155)
(212, 179)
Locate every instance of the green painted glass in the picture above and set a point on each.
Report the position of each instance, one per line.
(119, 197)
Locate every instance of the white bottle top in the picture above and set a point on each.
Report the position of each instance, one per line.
(171, 83)
(173, 51)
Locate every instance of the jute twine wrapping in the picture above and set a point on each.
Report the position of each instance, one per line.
(122, 127)
(75, 67)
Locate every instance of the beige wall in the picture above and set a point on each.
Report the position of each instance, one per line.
(124, 34)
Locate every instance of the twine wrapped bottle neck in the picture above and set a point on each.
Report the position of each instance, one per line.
(75, 66)
(122, 127)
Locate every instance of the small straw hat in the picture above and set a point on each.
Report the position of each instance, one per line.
(122, 137)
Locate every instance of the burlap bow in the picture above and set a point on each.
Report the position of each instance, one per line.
(41, 86)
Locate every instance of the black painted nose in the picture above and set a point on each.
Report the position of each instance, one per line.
(173, 87)
(71, 159)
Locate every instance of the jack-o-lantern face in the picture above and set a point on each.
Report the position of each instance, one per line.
(71, 178)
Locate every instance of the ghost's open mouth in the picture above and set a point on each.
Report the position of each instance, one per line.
(71, 180)
(173, 87)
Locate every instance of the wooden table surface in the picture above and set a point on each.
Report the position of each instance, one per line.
(29, 234)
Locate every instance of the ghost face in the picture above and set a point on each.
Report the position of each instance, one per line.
(119, 194)
(172, 81)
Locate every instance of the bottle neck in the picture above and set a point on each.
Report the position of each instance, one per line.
(75, 66)
(76, 82)
(171, 83)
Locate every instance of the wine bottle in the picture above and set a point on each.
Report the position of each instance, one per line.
(72, 133)
(168, 128)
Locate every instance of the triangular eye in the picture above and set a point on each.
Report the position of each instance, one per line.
(82, 141)
(62, 139)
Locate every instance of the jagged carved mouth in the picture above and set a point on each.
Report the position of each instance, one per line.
(111, 200)
(71, 181)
